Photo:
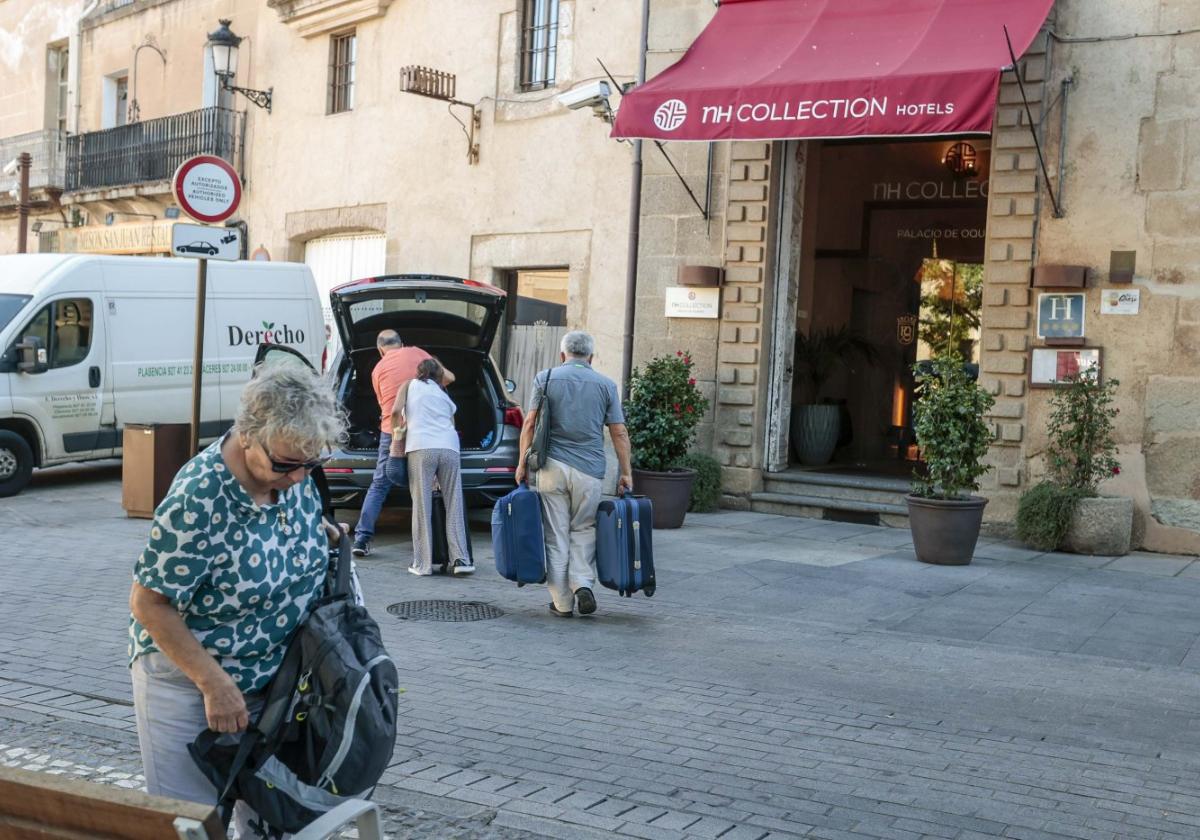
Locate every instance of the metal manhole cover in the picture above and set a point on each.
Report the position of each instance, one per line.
(444, 611)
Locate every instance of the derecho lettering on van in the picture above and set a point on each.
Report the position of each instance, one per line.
(186, 370)
(269, 334)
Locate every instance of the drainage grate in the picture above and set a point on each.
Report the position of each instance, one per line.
(444, 611)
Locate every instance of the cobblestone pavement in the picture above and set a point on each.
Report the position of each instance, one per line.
(791, 678)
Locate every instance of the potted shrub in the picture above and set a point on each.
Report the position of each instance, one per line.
(944, 515)
(662, 412)
(1066, 510)
(815, 427)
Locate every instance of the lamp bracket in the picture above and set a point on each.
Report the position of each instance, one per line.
(261, 98)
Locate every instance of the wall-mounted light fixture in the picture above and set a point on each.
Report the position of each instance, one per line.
(222, 46)
(962, 160)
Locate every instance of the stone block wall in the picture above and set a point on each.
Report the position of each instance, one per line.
(1014, 202)
(741, 367)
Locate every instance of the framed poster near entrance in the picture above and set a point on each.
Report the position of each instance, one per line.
(1051, 366)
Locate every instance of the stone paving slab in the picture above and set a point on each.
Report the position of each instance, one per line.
(791, 678)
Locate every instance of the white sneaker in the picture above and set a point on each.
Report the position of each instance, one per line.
(413, 570)
(462, 567)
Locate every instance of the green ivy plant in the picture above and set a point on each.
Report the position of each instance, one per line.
(1082, 451)
(1081, 454)
(1044, 515)
(706, 489)
(950, 429)
(662, 412)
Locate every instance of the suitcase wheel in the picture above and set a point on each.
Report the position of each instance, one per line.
(649, 590)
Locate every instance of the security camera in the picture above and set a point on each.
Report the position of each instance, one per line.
(10, 168)
(592, 95)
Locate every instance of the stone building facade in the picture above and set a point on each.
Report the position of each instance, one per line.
(377, 182)
(1128, 182)
(550, 192)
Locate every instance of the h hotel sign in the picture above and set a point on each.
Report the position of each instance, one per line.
(1060, 316)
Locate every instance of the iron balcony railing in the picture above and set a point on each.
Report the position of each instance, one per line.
(152, 150)
(48, 150)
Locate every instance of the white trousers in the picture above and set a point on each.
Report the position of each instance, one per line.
(170, 714)
(570, 498)
(425, 465)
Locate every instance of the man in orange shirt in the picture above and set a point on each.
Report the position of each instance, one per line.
(397, 366)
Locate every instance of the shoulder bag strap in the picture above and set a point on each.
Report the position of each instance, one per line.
(341, 583)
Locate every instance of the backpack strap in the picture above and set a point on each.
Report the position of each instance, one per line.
(341, 580)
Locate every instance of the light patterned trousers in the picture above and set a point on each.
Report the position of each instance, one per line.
(169, 710)
(424, 465)
(570, 498)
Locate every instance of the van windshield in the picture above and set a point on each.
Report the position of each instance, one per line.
(10, 305)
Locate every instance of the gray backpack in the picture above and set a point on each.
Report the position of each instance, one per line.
(328, 724)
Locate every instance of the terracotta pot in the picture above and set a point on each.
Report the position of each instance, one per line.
(815, 431)
(945, 531)
(669, 491)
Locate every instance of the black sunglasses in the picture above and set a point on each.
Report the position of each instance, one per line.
(285, 467)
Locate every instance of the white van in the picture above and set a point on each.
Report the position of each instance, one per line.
(89, 343)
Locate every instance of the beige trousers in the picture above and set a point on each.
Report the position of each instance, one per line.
(570, 498)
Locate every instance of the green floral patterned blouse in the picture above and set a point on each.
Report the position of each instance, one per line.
(241, 574)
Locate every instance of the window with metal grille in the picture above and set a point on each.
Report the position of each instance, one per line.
(539, 44)
(343, 50)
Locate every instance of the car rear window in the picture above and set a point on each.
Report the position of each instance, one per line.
(443, 309)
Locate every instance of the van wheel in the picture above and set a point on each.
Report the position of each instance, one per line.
(16, 463)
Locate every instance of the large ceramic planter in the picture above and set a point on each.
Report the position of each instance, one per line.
(945, 531)
(815, 430)
(1100, 526)
(670, 492)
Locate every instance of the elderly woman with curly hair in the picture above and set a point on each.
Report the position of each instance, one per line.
(237, 551)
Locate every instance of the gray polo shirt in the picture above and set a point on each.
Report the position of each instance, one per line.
(582, 403)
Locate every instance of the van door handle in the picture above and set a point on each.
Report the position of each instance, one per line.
(94, 376)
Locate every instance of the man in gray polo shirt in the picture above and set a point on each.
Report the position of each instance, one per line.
(582, 402)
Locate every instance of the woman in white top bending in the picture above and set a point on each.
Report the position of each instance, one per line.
(431, 443)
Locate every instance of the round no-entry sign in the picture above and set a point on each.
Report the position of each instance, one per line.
(207, 188)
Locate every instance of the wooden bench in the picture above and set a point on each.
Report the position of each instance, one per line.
(40, 806)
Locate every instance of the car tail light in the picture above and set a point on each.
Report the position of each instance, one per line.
(500, 470)
(514, 417)
(486, 286)
(338, 470)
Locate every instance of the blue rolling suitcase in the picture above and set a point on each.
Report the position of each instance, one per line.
(625, 545)
(518, 540)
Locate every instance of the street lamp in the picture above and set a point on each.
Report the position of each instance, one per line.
(222, 47)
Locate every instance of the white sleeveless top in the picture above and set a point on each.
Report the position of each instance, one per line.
(430, 414)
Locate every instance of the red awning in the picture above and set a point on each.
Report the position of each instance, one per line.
(776, 69)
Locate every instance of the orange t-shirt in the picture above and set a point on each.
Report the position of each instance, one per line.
(394, 369)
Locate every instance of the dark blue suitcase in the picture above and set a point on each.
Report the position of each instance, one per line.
(518, 540)
(625, 545)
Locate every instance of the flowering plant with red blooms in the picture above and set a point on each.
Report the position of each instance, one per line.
(663, 410)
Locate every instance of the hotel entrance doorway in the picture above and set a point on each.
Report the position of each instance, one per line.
(891, 273)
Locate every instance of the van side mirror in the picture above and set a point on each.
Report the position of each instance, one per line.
(33, 356)
(510, 386)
